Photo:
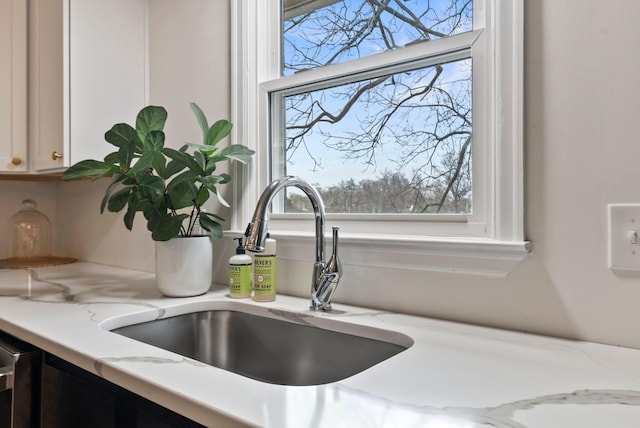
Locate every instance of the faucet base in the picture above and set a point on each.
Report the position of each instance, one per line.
(320, 307)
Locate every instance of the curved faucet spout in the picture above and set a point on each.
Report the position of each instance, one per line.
(257, 231)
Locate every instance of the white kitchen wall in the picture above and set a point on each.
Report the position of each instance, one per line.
(582, 106)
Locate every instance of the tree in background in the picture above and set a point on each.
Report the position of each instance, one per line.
(420, 119)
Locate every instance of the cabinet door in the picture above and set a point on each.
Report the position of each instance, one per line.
(73, 397)
(46, 112)
(88, 73)
(13, 85)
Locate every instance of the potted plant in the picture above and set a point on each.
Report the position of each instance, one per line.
(169, 187)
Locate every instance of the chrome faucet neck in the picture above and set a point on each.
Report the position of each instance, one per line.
(257, 230)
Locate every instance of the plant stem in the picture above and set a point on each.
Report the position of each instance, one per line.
(192, 221)
(195, 212)
(174, 213)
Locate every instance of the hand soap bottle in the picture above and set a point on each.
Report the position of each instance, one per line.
(240, 273)
(264, 272)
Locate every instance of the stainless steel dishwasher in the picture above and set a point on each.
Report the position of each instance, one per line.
(20, 365)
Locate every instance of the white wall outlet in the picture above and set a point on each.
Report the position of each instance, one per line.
(624, 236)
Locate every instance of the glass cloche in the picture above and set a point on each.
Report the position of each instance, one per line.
(30, 232)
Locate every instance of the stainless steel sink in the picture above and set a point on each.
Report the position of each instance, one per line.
(286, 352)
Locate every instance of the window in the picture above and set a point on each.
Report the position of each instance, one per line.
(406, 115)
(385, 137)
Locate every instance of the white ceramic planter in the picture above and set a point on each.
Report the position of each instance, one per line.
(184, 266)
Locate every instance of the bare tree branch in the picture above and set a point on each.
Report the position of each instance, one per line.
(426, 112)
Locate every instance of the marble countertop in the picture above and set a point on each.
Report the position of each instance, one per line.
(453, 376)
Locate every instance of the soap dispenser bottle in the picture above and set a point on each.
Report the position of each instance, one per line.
(264, 272)
(240, 273)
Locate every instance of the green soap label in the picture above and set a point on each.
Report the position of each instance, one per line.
(240, 279)
(264, 275)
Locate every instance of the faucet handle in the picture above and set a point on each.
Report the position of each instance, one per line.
(247, 231)
(334, 265)
(334, 261)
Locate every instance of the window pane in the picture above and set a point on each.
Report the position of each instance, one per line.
(322, 32)
(397, 143)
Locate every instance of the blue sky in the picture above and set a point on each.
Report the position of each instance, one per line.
(334, 167)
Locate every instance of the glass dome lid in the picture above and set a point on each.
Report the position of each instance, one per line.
(30, 232)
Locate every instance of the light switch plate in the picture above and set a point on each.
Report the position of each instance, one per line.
(624, 233)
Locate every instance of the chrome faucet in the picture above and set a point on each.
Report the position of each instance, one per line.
(325, 276)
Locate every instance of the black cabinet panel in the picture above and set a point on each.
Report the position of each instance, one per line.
(5, 409)
(72, 397)
(68, 399)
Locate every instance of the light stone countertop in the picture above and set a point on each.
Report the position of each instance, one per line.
(453, 376)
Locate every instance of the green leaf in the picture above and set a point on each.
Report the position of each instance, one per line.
(184, 159)
(210, 182)
(121, 135)
(154, 140)
(200, 159)
(125, 156)
(89, 168)
(224, 178)
(136, 202)
(213, 227)
(129, 216)
(205, 150)
(111, 158)
(203, 196)
(202, 119)
(118, 200)
(182, 195)
(173, 167)
(211, 166)
(142, 166)
(238, 152)
(152, 188)
(217, 132)
(168, 227)
(115, 181)
(153, 213)
(158, 163)
(221, 199)
(129, 181)
(187, 175)
(150, 118)
(208, 214)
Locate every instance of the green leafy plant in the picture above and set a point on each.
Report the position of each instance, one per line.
(168, 186)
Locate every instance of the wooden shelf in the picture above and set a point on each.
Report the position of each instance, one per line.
(31, 177)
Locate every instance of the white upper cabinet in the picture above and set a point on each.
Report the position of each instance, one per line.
(13, 86)
(87, 72)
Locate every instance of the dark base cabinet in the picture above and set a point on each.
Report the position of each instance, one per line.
(72, 397)
(20, 365)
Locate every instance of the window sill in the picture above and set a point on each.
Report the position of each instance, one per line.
(469, 256)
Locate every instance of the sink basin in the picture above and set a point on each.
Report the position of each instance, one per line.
(277, 347)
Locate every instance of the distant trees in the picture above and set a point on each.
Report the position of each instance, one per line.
(392, 193)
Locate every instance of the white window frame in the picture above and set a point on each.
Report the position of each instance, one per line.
(490, 241)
